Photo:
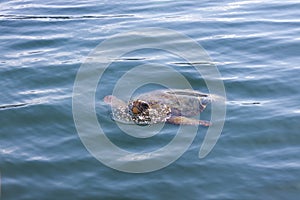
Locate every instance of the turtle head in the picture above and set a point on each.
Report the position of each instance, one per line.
(139, 111)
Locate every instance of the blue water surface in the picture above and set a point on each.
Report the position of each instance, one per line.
(255, 46)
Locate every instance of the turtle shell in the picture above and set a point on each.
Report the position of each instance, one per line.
(181, 102)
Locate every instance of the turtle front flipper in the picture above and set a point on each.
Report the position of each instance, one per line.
(114, 101)
(188, 121)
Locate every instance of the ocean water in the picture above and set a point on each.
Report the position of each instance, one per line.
(255, 46)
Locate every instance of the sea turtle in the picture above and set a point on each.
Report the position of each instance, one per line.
(175, 106)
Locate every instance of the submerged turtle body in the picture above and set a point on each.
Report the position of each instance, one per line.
(173, 106)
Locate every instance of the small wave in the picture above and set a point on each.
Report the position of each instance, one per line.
(129, 59)
(193, 63)
(247, 103)
(61, 17)
(12, 105)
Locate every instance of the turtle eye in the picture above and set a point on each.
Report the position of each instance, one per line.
(135, 110)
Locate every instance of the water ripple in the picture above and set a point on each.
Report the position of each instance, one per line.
(62, 17)
(254, 44)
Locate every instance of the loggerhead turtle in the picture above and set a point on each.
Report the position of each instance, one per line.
(175, 106)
